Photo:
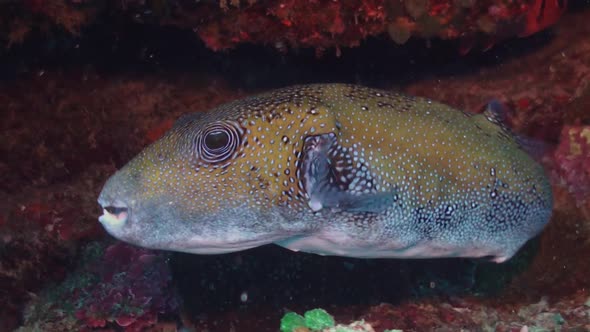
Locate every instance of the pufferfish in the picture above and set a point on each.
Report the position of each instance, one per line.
(332, 169)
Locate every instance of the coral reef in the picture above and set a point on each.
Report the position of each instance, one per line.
(39, 235)
(318, 24)
(324, 24)
(573, 162)
(428, 315)
(119, 285)
(471, 314)
(319, 320)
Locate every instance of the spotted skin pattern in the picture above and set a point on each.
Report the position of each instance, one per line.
(333, 169)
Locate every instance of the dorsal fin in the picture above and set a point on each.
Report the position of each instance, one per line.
(496, 112)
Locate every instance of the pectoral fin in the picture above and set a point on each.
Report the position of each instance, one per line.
(331, 180)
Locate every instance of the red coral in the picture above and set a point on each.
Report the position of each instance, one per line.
(542, 14)
(327, 24)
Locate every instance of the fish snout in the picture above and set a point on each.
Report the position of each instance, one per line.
(115, 215)
(116, 207)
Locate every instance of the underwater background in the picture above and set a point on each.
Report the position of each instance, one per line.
(86, 85)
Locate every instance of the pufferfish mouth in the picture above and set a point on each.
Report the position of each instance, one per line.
(114, 216)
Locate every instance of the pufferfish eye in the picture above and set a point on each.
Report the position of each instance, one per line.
(218, 142)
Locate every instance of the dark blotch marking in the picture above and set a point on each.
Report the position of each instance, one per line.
(383, 104)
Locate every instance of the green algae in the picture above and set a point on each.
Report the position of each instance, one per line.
(292, 321)
(318, 319)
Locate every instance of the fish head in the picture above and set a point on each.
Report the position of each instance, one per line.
(219, 181)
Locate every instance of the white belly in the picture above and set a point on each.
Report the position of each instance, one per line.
(338, 244)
